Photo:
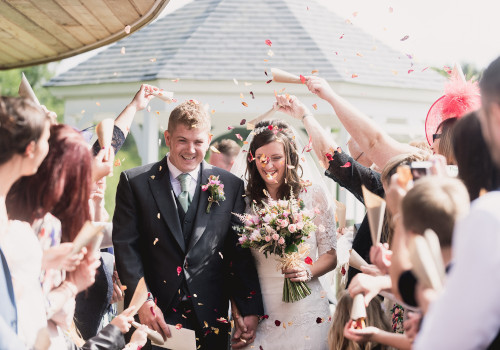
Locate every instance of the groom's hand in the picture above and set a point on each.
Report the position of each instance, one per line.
(151, 316)
(242, 339)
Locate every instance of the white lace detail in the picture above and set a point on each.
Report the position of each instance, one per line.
(326, 235)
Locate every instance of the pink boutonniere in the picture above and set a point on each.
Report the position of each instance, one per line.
(216, 189)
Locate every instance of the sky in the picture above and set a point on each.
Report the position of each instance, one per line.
(440, 32)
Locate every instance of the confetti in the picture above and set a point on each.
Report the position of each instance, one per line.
(244, 104)
(158, 215)
(213, 149)
(355, 14)
(329, 156)
(270, 53)
(241, 95)
(308, 261)
(98, 104)
(243, 121)
(319, 320)
(250, 157)
(308, 147)
(127, 29)
(406, 37)
(152, 59)
(239, 137)
(235, 81)
(179, 270)
(346, 165)
(447, 69)
(222, 320)
(230, 127)
(354, 75)
(315, 106)
(155, 241)
(221, 256)
(206, 324)
(269, 81)
(314, 71)
(123, 288)
(117, 162)
(303, 79)
(122, 51)
(251, 93)
(341, 36)
(277, 323)
(359, 54)
(268, 42)
(410, 71)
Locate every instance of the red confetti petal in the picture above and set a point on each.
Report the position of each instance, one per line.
(268, 42)
(253, 96)
(270, 127)
(269, 81)
(277, 323)
(178, 326)
(265, 317)
(239, 137)
(343, 271)
(308, 261)
(329, 156)
(302, 79)
(179, 270)
(319, 320)
(253, 292)
(230, 127)
(315, 106)
(152, 311)
(341, 36)
(354, 75)
(346, 165)
(243, 121)
(410, 71)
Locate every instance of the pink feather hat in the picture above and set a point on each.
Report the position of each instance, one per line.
(460, 97)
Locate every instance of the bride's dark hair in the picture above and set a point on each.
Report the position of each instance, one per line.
(264, 134)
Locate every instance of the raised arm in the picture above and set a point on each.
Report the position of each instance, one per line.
(138, 103)
(373, 140)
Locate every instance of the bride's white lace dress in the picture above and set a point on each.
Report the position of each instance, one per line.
(303, 324)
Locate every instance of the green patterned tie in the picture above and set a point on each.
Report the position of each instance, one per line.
(184, 197)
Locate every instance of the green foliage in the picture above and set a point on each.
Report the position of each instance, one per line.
(37, 76)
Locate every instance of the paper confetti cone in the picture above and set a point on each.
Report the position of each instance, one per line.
(280, 76)
(358, 309)
(140, 295)
(26, 91)
(86, 235)
(166, 96)
(340, 211)
(152, 335)
(267, 115)
(375, 207)
(355, 260)
(424, 265)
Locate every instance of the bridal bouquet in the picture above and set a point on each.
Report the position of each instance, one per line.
(280, 228)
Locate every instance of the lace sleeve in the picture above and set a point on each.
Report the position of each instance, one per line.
(326, 234)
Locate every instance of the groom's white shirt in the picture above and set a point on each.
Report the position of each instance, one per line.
(176, 184)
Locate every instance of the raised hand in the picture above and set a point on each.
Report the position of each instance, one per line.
(291, 105)
(320, 87)
(57, 257)
(151, 316)
(84, 275)
(142, 97)
(368, 285)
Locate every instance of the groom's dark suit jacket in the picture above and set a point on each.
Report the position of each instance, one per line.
(150, 240)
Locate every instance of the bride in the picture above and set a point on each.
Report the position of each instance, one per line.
(273, 165)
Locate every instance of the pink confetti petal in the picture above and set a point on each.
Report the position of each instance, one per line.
(346, 165)
(268, 42)
(179, 270)
(406, 37)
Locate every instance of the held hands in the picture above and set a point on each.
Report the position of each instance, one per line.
(151, 316)
(245, 336)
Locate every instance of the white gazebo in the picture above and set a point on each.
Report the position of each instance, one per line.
(215, 51)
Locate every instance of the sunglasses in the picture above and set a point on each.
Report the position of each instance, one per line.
(435, 137)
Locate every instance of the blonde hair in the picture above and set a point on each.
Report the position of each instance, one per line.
(375, 317)
(191, 114)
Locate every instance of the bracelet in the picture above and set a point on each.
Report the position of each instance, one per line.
(305, 115)
(150, 297)
(309, 274)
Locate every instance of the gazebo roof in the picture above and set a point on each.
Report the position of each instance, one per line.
(225, 39)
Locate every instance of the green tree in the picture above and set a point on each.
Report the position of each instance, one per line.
(37, 76)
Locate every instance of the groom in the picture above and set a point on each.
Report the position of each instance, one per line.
(189, 258)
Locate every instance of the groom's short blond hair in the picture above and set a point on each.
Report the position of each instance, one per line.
(190, 113)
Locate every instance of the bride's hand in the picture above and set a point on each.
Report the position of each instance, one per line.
(297, 274)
